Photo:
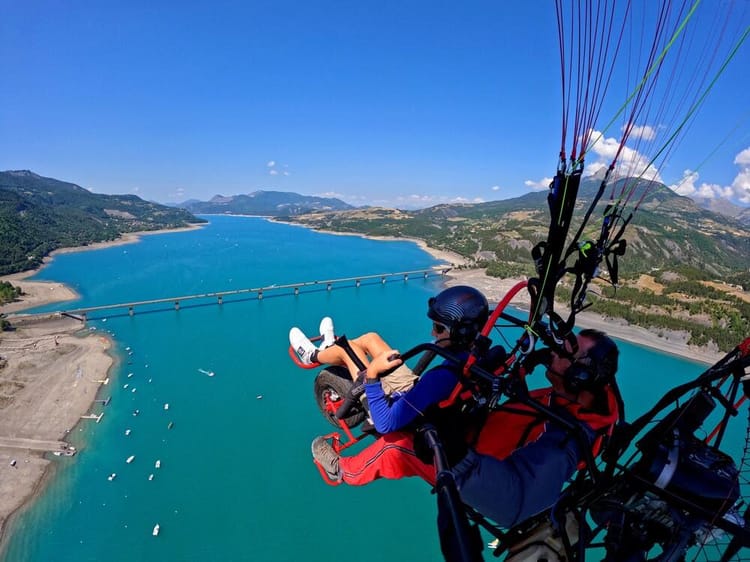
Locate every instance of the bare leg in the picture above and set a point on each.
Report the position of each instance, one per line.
(365, 346)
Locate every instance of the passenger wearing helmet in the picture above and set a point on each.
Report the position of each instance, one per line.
(458, 314)
(520, 461)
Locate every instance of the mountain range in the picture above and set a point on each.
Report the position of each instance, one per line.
(667, 231)
(265, 203)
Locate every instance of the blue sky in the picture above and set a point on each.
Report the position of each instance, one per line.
(396, 103)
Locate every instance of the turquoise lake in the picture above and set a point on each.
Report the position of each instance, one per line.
(236, 480)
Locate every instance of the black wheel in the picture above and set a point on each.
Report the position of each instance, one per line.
(334, 382)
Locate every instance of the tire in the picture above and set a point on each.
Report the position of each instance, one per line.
(335, 381)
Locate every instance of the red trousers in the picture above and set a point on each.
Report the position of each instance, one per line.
(391, 456)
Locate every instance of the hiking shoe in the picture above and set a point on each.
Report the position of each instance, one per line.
(327, 457)
(326, 330)
(303, 347)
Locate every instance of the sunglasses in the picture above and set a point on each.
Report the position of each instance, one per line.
(439, 328)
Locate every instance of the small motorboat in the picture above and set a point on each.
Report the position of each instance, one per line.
(150, 477)
(157, 464)
(259, 397)
(127, 432)
(155, 532)
(130, 459)
(112, 476)
(166, 406)
(170, 425)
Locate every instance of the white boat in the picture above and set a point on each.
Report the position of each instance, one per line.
(112, 476)
(130, 459)
(127, 432)
(130, 375)
(155, 532)
(157, 464)
(125, 385)
(150, 477)
(259, 397)
(166, 406)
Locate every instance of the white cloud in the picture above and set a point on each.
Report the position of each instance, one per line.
(743, 158)
(538, 185)
(645, 132)
(690, 187)
(495, 188)
(630, 162)
(741, 184)
(273, 170)
(738, 191)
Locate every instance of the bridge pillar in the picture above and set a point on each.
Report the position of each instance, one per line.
(177, 305)
(260, 294)
(358, 283)
(296, 291)
(221, 299)
(328, 288)
(406, 276)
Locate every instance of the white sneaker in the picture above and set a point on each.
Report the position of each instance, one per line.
(302, 346)
(326, 330)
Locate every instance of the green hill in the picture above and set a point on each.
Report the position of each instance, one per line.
(39, 215)
(685, 269)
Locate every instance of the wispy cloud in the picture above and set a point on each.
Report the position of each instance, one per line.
(274, 171)
(495, 188)
(645, 132)
(538, 185)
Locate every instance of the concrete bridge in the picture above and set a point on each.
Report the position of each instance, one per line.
(259, 292)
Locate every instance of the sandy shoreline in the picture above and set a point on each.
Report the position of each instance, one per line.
(52, 369)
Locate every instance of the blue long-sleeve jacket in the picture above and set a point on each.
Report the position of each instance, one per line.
(398, 411)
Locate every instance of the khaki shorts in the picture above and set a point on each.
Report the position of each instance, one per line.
(400, 380)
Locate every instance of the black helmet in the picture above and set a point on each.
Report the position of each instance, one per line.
(597, 368)
(464, 310)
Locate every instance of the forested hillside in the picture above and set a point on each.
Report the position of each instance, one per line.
(38, 215)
